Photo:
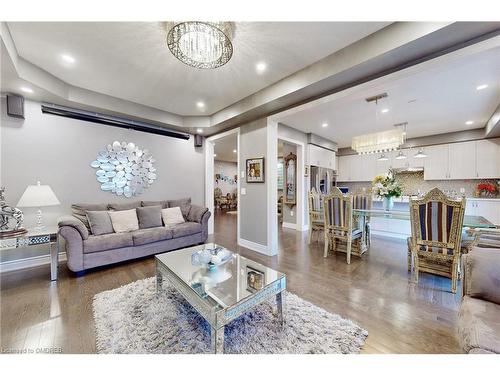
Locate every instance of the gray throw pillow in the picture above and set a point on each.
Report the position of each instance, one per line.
(184, 204)
(162, 204)
(149, 217)
(124, 206)
(79, 210)
(100, 222)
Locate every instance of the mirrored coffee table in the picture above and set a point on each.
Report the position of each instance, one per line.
(221, 294)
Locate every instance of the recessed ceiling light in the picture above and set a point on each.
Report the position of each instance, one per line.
(324, 124)
(215, 155)
(385, 110)
(27, 90)
(200, 105)
(234, 151)
(481, 87)
(260, 67)
(199, 131)
(470, 122)
(68, 59)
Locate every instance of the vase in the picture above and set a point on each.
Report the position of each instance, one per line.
(388, 203)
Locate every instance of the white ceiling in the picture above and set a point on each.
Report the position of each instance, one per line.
(130, 60)
(223, 148)
(436, 99)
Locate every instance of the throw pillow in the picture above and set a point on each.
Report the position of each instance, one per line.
(184, 204)
(149, 217)
(124, 206)
(124, 221)
(80, 211)
(100, 222)
(172, 216)
(196, 213)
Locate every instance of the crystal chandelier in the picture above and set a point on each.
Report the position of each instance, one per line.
(385, 141)
(203, 45)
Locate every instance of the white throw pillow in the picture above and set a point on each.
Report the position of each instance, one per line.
(124, 221)
(172, 216)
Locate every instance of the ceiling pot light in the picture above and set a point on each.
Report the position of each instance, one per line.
(27, 90)
(202, 45)
(383, 158)
(481, 87)
(200, 105)
(199, 131)
(215, 155)
(385, 110)
(260, 67)
(68, 59)
(324, 125)
(400, 156)
(234, 151)
(420, 154)
(470, 122)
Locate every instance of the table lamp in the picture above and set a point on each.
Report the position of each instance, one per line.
(38, 196)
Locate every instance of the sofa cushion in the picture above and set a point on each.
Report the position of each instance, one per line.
(196, 213)
(479, 325)
(163, 204)
(186, 229)
(107, 242)
(149, 217)
(100, 222)
(124, 221)
(79, 210)
(172, 216)
(184, 204)
(144, 236)
(124, 206)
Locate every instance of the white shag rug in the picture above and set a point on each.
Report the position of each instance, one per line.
(134, 319)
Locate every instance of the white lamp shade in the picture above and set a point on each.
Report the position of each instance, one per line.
(38, 196)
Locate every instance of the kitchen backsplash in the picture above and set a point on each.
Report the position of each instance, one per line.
(412, 182)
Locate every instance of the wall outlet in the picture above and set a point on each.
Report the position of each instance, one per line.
(291, 213)
(243, 191)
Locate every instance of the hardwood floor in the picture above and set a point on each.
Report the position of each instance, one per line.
(375, 292)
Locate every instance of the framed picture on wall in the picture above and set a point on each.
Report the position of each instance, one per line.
(255, 170)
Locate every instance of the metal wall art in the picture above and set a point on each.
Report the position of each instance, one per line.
(124, 169)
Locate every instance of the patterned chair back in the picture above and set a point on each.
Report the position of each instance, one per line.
(362, 201)
(316, 212)
(217, 192)
(338, 211)
(436, 222)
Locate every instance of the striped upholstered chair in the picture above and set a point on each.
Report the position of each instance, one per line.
(316, 213)
(436, 234)
(363, 201)
(339, 225)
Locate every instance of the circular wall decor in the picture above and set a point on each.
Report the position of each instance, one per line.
(124, 169)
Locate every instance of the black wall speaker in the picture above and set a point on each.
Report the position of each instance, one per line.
(15, 106)
(198, 140)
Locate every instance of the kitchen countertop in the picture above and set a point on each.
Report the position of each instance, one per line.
(406, 199)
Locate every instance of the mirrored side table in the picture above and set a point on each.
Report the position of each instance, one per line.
(37, 237)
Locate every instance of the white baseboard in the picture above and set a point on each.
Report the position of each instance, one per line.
(289, 225)
(19, 264)
(390, 234)
(253, 246)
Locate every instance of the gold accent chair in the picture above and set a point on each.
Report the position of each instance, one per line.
(363, 201)
(339, 225)
(436, 235)
(316, 213)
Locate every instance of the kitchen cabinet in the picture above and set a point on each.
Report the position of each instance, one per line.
(487, 208)
(488, 158)
(356, 168)
(321, 157)
(436, 163)
(461, 160)
(344, 168)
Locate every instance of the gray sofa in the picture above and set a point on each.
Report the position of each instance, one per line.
(479, 314)
(85, 250)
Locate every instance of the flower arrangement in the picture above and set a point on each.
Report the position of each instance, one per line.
(386, 186)
(487, 188)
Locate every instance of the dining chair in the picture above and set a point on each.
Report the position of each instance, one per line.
(338, 225)
(363, 201)
(316, 213)
(436, 234)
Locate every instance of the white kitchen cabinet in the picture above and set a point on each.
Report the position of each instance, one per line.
(436, 163)
(487, 208)
(488, 158)
(344, 168)
(321, 157)
(461, 160)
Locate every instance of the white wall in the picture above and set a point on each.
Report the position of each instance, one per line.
(229, 170)
(58, 151)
